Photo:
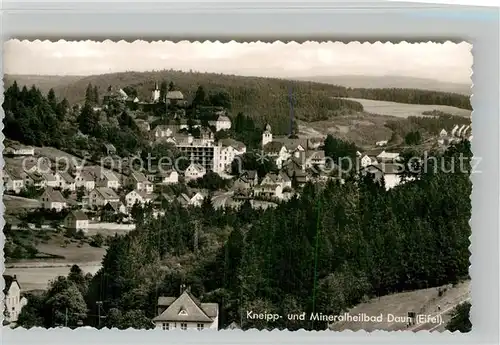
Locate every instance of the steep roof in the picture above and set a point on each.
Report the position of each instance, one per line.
(183, 199)
(177, 95)
(292, 143)
(9, 280)
(223, 118)
(238, 145)
(107, 193)
(315, 154)
(79, 215)
(54, 195)
(138, 176)
(273, 147)
(385, 168)
(186, 308)
(197, 166)
(114, 205)
(67, 177)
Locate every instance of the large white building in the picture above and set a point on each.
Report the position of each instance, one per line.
(202, 151)
(229, 149)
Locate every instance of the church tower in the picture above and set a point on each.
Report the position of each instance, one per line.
(156, 93)
(267, 136)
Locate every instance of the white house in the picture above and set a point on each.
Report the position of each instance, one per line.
(13, 302)
(137, 196)
(65, 181)
(278, 151)
(229, 150)
(84, 179)
(388, 157)
(50, 179)
(269, 191)
(381, 143)
(13, 182)
(390, 172)
(315, 158)
(116, 207)
(279, 179)
(19, 150)
(186, 312)
(53, 199)
(194, 171)
(77, 220)
(197, 199)
(169, 176)
(140, 182)
(100, 196)
(366, 160)
(222, 123)
(107, 179)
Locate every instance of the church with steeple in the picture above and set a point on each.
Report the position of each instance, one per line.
(267, 136)
(156, 94)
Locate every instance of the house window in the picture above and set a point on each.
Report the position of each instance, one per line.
(165, 326)
(200, 326)
(184, 326)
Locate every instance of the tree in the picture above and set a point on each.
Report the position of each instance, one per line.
(97, 240)
(163, 90)
(413, 138)
(171, 86)
(200, 97)
(51, 98)
(95, 95)
(88, 119)
(89, 94)
(220, 99)
(80, 193)
(32, 314)
(460, 320)
(66, 302)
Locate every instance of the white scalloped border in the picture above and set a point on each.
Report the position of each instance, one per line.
(277, 42)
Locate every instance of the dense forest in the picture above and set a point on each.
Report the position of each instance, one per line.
(412, 96)
(34, 119)
(431, 125)
(325, 251)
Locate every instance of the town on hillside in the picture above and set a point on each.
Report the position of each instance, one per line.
(155, 203)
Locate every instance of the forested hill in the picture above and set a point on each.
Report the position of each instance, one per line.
(264, 99)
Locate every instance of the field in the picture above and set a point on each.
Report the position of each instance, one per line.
(15, 204)
(37, 278)
(35, 274)
(361, 128)
(425, 301)
(405, 110)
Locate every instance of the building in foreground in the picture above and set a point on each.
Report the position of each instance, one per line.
(186, 312)
(13, 301)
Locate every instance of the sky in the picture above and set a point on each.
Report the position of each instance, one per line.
(446, 62)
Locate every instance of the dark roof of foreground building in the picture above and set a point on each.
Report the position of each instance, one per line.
(186, 308)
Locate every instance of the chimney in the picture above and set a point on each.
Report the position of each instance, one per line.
(183, 288)
(190, 139)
